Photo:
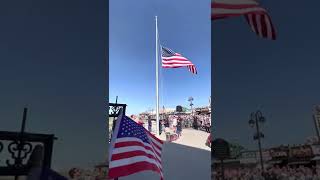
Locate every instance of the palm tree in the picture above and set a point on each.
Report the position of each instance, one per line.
(190, 99)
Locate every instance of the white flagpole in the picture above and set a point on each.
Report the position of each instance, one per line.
(157, 80)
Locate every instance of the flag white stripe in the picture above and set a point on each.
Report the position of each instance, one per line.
(236, 2)
(269, 26)
(132, 160)
(175, 57)
(175, 61)
(156, 142)
(176, 65)
(134, 148)
(250, 21)
(126, 139)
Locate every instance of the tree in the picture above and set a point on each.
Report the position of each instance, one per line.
(235, 149)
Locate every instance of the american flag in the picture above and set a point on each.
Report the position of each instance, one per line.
(171, 59)
(256, 16)
(133, 149)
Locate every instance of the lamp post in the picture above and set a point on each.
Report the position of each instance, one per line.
(190, 99)
(255, 120)
(316, 118)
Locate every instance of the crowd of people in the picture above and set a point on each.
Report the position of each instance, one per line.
(271, 173)
(81, 174)
(178, 122)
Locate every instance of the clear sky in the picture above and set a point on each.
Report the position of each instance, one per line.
(52, 56)
(184, 26)
(278, 77)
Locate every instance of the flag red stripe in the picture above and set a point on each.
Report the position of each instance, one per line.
(256, 16)
(227, 15)
(264, 27)
(174, 57)
(130, 155)
(233, 6)
(133, 154)
(173, 60)
(157, 147)
(179, 63)
(154, 137)
(132, 168)
(172, 66)
(135, 143)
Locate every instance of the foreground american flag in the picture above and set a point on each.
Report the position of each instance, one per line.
(256, 16)
(171, 59)
(133, 149)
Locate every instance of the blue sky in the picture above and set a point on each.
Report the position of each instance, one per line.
(278, 77)
(184, 26)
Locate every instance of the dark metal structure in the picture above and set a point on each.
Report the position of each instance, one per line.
(19, 146)
(220, 150)
(255, 120)
(114, 111)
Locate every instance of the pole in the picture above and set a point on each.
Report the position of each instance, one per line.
(114, 118)
(157, 80)
(20, 145)
(222, 169)
(316, 124)
(114, 123)
(259, 142)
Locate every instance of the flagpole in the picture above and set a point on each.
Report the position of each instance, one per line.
(157, 80)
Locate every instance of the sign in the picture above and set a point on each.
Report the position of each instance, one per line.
(279, 153)
(248, 161)
(266, 155)
(248, 154)
(301, 151)
(220, 149)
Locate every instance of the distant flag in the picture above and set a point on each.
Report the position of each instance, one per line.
(256, 16)
(171, 59)
(133, 149)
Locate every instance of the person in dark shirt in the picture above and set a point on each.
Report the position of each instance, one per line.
(179, 127)
(195, 123)
(160, 126)
(149, 124)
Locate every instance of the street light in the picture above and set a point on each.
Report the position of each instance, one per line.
(255, 120)
(190, 99)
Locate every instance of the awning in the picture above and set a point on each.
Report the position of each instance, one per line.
(274, 162)
(227, 161)
(317, 158)
(248, 161)
(299, 162)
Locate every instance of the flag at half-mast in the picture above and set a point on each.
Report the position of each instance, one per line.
(171, 59)
(256, 16)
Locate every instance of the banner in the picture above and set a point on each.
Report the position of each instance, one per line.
(301, 152)
(279, 153)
